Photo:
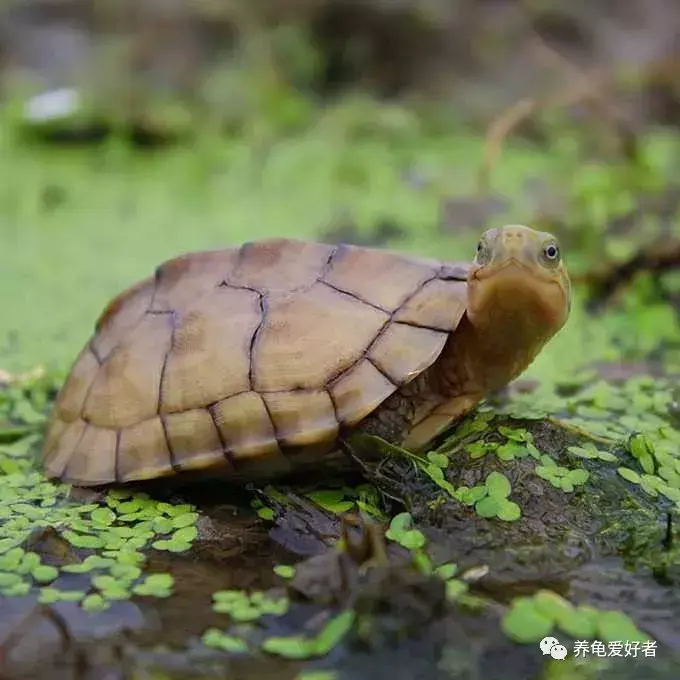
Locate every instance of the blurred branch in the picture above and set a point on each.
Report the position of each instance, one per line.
(579, 87)
(656, 258)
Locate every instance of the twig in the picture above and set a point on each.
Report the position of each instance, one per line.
(499, 129)
(579, 87)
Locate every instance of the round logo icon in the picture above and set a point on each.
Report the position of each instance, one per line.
(547, 643)
(558, 652)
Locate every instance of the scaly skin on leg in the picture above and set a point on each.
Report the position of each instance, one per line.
(415, 414)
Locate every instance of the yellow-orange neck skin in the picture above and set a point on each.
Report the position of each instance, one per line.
(519, 296)
(518, 299)
(512, 314)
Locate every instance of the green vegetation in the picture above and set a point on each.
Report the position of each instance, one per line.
(530, 619)
(80, 225)
(104, 541)
(247, 607)
(299, 647)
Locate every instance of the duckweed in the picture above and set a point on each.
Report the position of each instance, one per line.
(299, 647)
(591, 452)
(401, 531)
(629, 475)
(217, 639)
(520, 444)
(244, 607)
(331, 499)
(286, 571)
(317, 675)
(493, 499)
(529, 619)
(561, 477)
(155, 585)
(446, 571)
(104, 539)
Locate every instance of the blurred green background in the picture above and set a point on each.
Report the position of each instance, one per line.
(134, 131)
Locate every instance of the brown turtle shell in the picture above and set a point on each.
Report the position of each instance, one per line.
(247, 360)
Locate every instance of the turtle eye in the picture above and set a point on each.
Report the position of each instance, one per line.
(483, 256)
(551, 252)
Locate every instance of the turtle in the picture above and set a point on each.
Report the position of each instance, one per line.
(254, 362)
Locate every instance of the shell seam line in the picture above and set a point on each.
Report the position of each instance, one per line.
(161, 381)
(226, 452)
(171, 454)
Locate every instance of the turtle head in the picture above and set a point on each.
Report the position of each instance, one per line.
(518, 285)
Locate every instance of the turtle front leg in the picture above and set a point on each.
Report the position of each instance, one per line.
(385, 426)
(391, 419)
(432, 424)
(416, 414)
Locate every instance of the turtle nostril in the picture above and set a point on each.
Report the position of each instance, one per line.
(513, 239)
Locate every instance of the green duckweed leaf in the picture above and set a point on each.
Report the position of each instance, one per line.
(95, 603)
(422, 562)
(545, 472)
(670, 492)
(399, 525)
(331, 499)
(514, 434)
(550, 604)
(412, 539)
(577, 477)
(266, 514)
(185, 520)
(589, 451)
(104, 516)
(185, 535)
(607, 457)
(298, 647)
(577, 622)
(317, 675)
(455, 588)
(293, 647)
(525, 623)
(284, 570)
(629, 475)
(9, 579)
(215, 638)
(52, 595)
(155, 585)
(511, 450)
(509, 511)
(498, 485)
(438, 459)
(333, 632)
(488, 507)
(82, 540)
(45, 573)
(446, 571)
(477, 450)
(17, 589)
(615, 625)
